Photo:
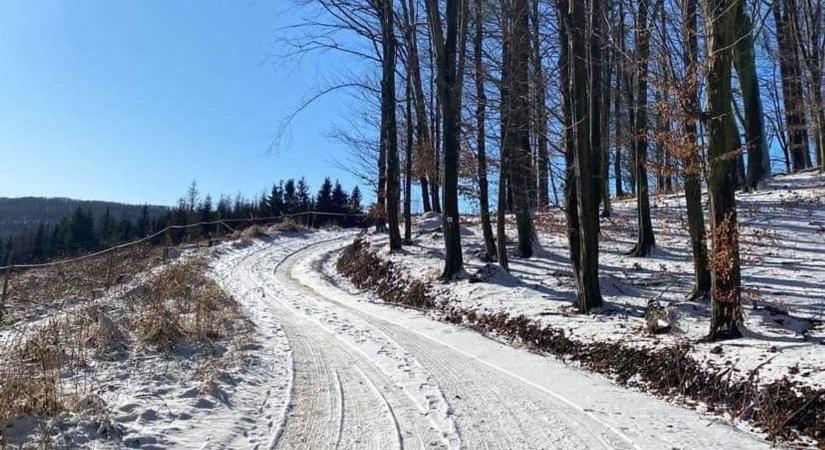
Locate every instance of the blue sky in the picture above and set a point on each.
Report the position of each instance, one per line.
(131, 100)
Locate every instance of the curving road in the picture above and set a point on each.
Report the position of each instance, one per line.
(371, 376)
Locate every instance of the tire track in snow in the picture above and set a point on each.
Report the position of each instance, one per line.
(349, 346)
(573, 405)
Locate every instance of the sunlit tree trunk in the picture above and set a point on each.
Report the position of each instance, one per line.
(389, 124)
(693, 160)
(645, 239)
(723, 146)
(448, 51)
(745, 61)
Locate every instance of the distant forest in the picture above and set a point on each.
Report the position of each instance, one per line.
(90, 226)
(20, 214)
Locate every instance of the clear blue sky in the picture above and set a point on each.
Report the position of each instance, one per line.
(130, 100)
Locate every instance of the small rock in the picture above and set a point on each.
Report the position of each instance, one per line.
(717, 350)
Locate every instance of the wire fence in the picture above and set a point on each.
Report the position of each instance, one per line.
(9, 268)
(223, 222)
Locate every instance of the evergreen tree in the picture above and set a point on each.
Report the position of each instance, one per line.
(144, 222)
(224, 208)
(39, 249)
(355, 201)
(323, 201)
(82, 231)
(290, 197)
(340, 199)
(276, 199)
(205, 214)
(126, 230)
(304, 199)
(107, 230)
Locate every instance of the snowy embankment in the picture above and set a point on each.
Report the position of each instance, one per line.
(159, 358)
(782, 242)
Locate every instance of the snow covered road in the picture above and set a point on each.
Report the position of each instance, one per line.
(365, 375)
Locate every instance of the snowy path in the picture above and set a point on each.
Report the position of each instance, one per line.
(364, 375)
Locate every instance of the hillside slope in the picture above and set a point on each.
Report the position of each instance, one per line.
(18, 214)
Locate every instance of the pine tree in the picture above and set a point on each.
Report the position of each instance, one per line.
(82, 231)
(276, 199)
(291, 203)
(340, 199)
(205, 214)
(323, 201)
(304, 198)
(39, 248)
(107, 230)
(355, 201)
(144, 222)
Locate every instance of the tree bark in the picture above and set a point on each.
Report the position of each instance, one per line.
(408, 165)
(517, 138)
(620, 77)
(693, 161)
(542, 153)
(449, 90)
(582, 99)
(389, 124)
(722, 150)
(745, 61)
(645, 239)
(422, 129)
(796, 123)
(481, 126)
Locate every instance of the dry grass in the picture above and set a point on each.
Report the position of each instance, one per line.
(253, 232)
(46, 362)
(88, 278)
(183, 303)
(289, 224)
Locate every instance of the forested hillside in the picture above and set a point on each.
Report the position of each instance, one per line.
(18, 214)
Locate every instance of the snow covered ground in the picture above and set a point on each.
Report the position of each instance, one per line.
(324, 365)
(783, 276)
(368, 375)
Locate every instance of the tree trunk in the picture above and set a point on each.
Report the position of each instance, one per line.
(605, 131)
(422, 129)
(645, 239)
(620, 77)
(693, 161)
(722, 150)
(389, 124)
(583, 101)
(542, 154)
(408, 165)
(449, 90)
(745, 60)
(517, 136)
(796, 123)
(504, 173)
(481, 126)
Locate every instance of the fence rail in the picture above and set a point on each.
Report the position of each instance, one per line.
(224, 222)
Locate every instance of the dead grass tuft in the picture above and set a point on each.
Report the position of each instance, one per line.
(183, 303)
(253, 232)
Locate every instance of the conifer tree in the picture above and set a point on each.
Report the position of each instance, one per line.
(340, 199)
(323, 201)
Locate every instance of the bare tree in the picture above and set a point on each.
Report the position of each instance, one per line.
(450, 73)
(723, 148)
(481, 127)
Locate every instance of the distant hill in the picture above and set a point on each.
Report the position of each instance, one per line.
(18, 214)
